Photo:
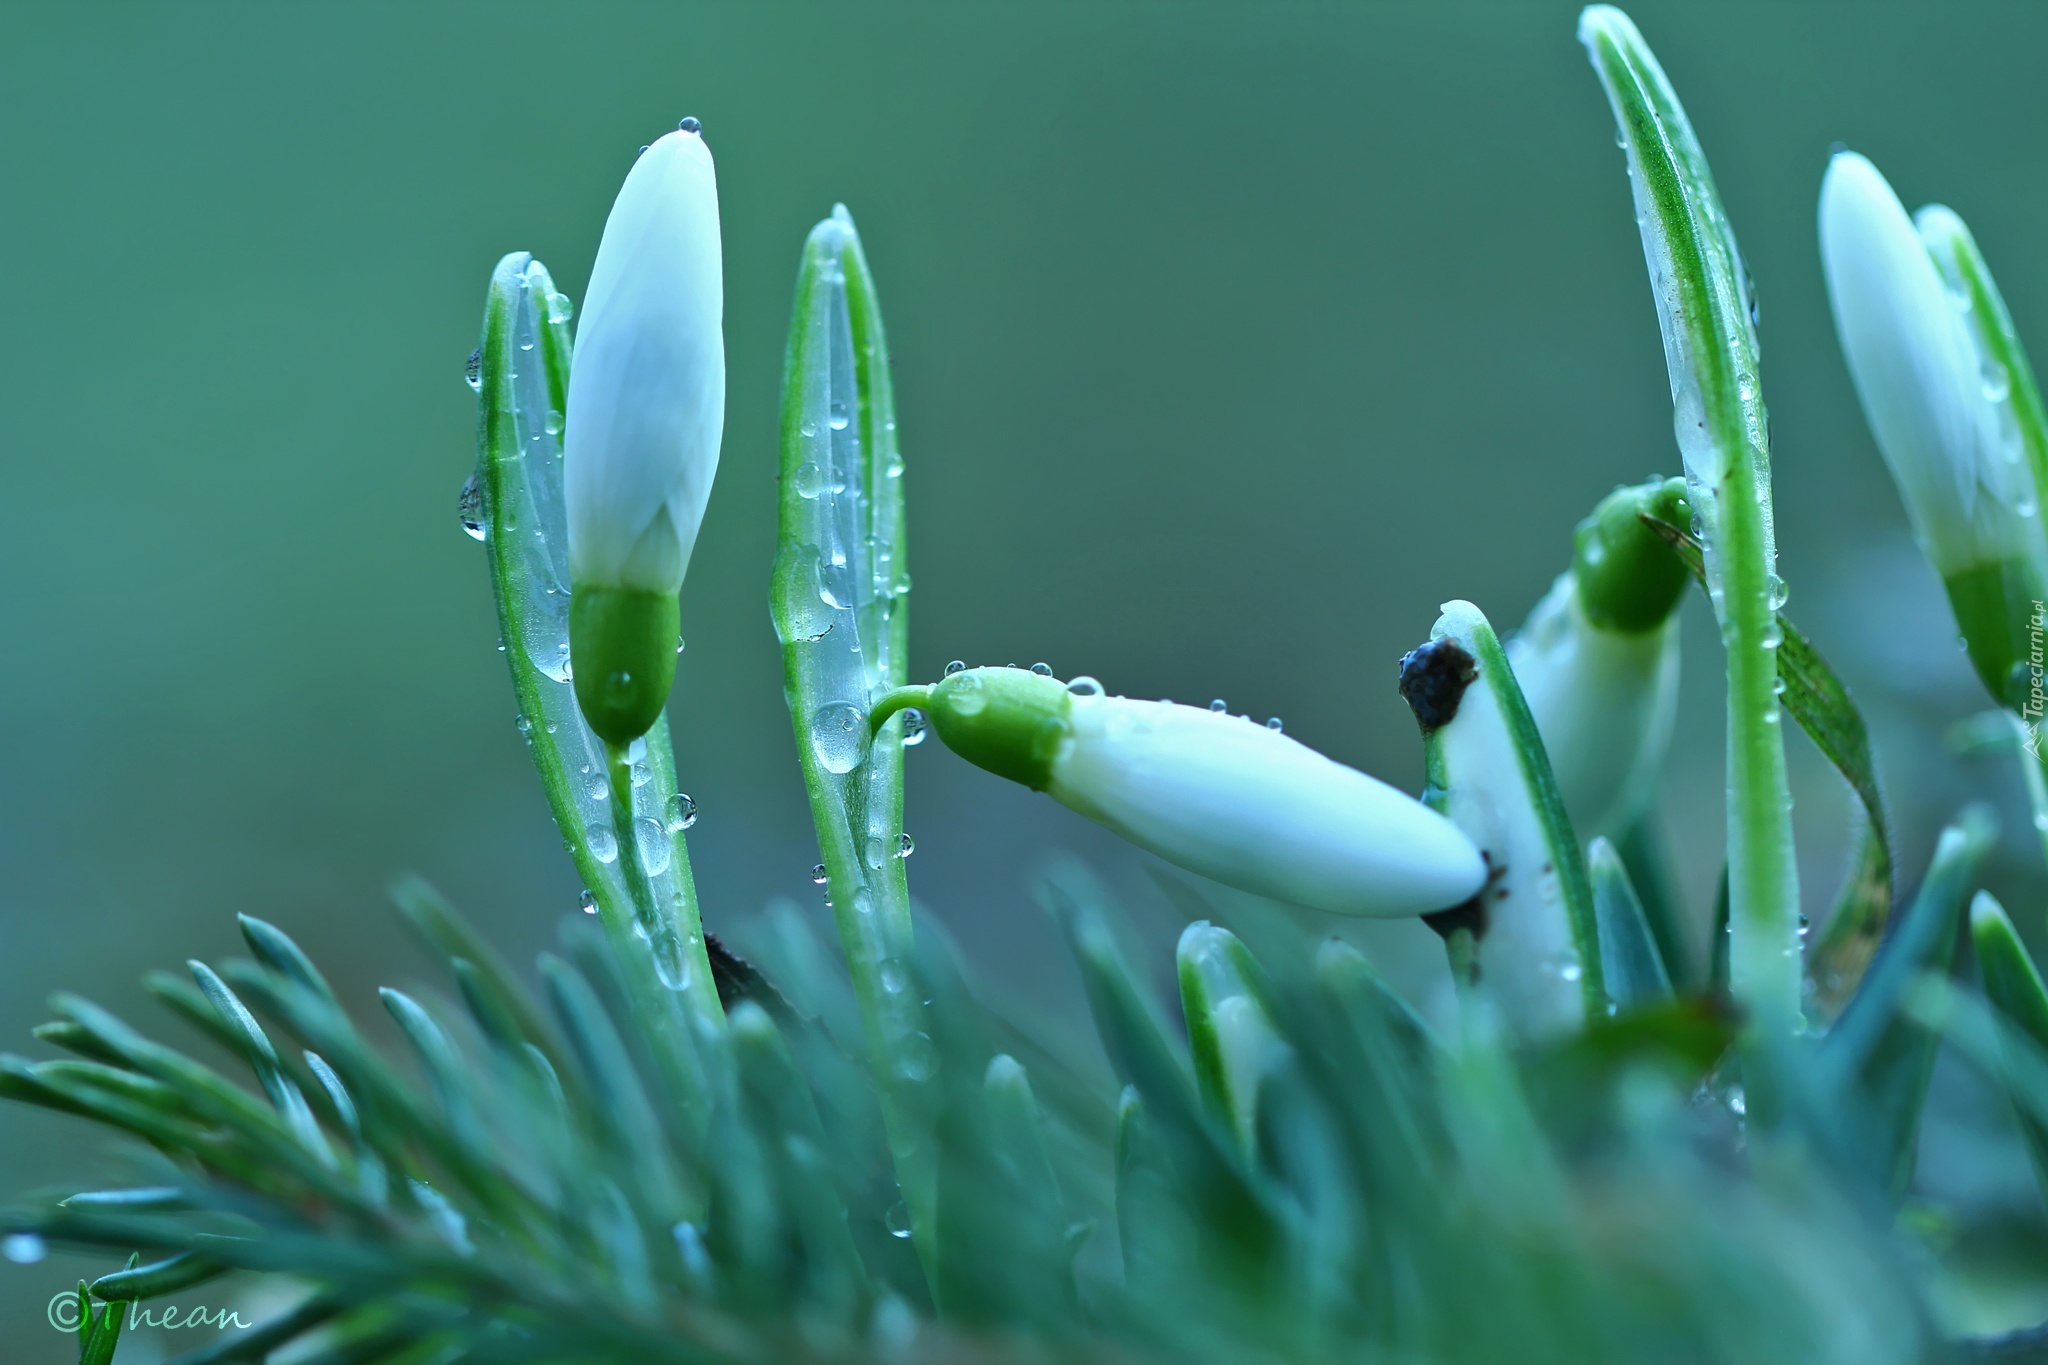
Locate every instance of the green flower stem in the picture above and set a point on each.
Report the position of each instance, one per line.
(901, 699)
(840, 610)
(1763, 879)
(1705, 310)
(522, 376)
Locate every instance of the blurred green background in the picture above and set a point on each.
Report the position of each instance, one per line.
(1229, 340)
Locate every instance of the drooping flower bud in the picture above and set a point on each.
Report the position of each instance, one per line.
(1217, 794)
(646, 413)
(1597, 659)
(1940, 408)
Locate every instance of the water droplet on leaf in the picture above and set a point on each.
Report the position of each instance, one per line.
(682, 812)
(469, 506)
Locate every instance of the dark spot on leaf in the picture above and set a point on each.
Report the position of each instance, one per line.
(1433, 681)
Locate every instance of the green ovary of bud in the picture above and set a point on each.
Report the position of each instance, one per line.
(622, 643)
(1003, 719)
(1629, 578)
(1999, 612)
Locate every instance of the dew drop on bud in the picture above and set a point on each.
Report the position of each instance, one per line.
(1219, 706)
(1043, 670)
(837, 417)
(1085, 686)
(587, 902)
(898, 1220)
(604, 845)
(560, 308)
(818, 874)
(689, 124)
(914, 728)
(905, 845)
(957, 666)
(1273, 723)
(473, 370)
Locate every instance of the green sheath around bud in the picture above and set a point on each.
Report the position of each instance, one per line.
(623, 642)
(1998, 611)
(1003, 719)
(1630, 580)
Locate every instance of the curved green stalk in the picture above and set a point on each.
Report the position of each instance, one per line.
(1705, 308)
(515, 502)
(840, 612)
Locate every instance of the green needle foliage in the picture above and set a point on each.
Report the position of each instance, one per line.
(648, 1149)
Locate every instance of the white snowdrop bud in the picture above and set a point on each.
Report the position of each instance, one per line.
(1213, 793)
(646, 413)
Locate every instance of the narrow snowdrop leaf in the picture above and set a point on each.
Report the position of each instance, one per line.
(1230, 1034)
(1628, 952)
(2013, 984)
(523, 387)
(841, 610)
(1532, 923)
(1707, 312)
(1877, 1056)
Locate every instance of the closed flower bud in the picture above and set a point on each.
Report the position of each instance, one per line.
(1597, 659)
(646, 412)
(1939, 407)
(1213, 793)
